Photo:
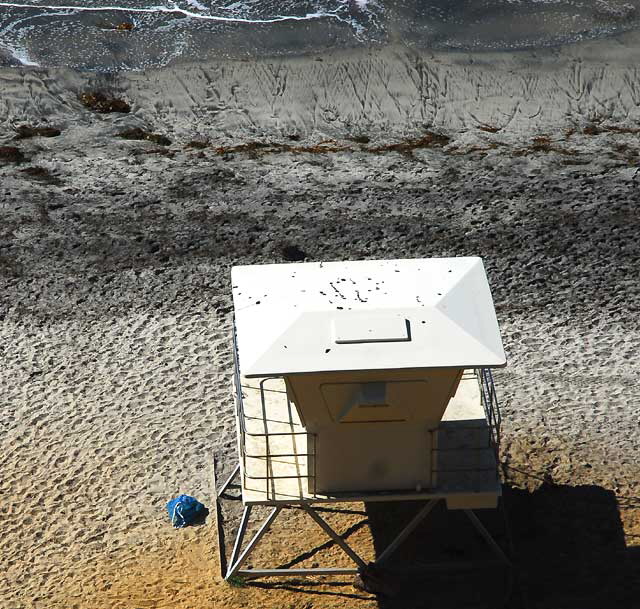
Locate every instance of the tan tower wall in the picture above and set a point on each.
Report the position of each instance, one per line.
(372, 428)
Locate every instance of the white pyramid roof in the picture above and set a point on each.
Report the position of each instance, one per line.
(364, 315)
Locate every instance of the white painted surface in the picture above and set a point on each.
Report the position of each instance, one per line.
(288, 316)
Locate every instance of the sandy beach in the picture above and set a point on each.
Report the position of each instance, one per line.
(115, 299)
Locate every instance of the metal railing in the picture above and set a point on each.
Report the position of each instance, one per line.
(490, 405)
(489, 433)
(270, 478)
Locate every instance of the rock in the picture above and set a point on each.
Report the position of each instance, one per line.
(372, 579)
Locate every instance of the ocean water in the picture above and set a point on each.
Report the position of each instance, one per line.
(113, 35)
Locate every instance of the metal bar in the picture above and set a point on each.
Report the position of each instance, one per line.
(293, 572)
(267, 390)
(433, 441)
(246, 514)
(254, 418)
(450, 565)
(465, 427)
(295, 447)
(315, 452)
(269, 467)
(277, 477)
(254, 434)
(280, 455)
(417, 519)
(467, 469)
(491, 407)
(329, 531)
(222, 555)
(487, 536)
(253, 543)
(228, 481)
(453, 450)
(239, 402)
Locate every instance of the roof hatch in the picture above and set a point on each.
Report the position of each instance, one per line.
(370, 329)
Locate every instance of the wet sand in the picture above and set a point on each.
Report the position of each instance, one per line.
(115, 299)
(138, 34)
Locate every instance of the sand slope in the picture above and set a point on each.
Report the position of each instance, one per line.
(386, 89)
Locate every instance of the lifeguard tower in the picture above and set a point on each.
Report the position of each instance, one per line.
(364, 381)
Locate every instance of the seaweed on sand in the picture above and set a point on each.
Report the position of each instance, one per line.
(41, 174)
(489, 128)
(27, 131)
(159, 151)
(543, 143)
(136, 133)
(197, 144)
(276, 147)
(430, 139)
(99, 102)
(598, 127)
(11, 154)
(591, 130)
(360, 139)
(248, 147)
(123, 26)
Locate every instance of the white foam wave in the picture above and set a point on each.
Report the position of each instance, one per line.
(208, 11)
(168, 10)
(196, 4)
(21, 56)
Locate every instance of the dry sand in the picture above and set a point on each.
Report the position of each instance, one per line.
(115, 300)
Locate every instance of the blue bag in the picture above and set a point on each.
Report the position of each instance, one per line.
(185, 510)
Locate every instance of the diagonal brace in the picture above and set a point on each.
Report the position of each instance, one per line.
(228, 481)
(253, 543)
(417, 519)
(487, 537)
(336, 538)
(242, 529)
